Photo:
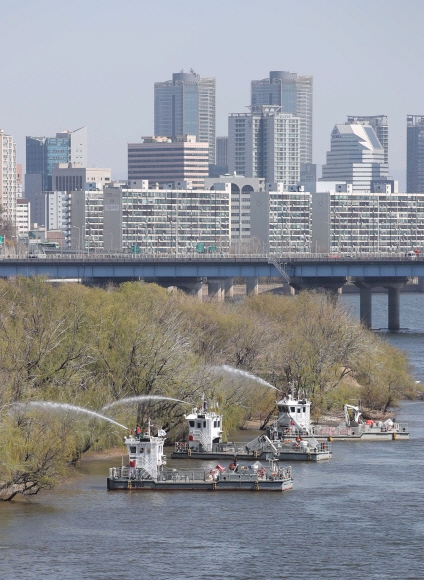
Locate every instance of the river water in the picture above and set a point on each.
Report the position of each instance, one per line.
(360, 515)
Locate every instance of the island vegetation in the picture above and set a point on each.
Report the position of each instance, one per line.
(91, 347)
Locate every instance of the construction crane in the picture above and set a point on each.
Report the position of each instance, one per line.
(356, 415)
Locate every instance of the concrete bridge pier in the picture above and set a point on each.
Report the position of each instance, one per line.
(228, 288)
(393, 286)
(393, 310)
(393, 319)
(365, 305)
(330, 285)
(252, 286)
(195, 288)
(215, 289)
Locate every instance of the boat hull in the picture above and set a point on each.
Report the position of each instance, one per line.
(123, 484)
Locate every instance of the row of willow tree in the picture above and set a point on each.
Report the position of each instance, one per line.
(91, 347)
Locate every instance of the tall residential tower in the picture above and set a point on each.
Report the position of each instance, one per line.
(8, 191)
(264, 143)
(185, 105)
(294, 94)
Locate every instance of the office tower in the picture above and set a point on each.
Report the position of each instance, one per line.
(356, 157)
(186, 106)
(294, 94)
(42, 156)
(8, 192)
(380, 126)
(164, 160)
(264, 143)
(415, 154)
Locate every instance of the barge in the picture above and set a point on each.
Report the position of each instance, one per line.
(294, 420)
(147, 471)
(205, 442)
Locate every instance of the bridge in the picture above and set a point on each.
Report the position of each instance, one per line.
(300, 271)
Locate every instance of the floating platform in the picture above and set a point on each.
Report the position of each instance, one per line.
(282, 450)
(261, 479)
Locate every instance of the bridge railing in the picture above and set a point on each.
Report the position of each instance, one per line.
(214, 257)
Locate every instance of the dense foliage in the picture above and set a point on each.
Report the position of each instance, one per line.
(91, 347)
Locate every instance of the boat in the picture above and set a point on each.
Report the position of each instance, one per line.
(147, 471)
(205, 442)
(294, 420)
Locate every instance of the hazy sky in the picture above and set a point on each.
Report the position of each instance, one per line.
(74, 63)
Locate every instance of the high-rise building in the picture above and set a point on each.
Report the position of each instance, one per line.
(8, 191)
(294, 94)
(264, 143)
(356, 157)
(222, 150)
(186, 105)
(43, 153)
(165, 160)
(415, 154)
(381, 127)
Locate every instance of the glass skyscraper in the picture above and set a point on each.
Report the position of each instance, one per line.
(43, 153)
(294, 94)
(185, 105)
(415, 154)
(42, 156)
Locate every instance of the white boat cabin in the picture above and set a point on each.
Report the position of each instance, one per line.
(145, 453)
(294, 413)
(204, 428)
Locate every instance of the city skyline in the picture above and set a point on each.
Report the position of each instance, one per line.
(108, 87)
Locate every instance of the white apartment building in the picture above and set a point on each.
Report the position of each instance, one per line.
(265, 217)
(8, 190)
(22, 217)
(348, 221)
(265, 144)
(181, 221)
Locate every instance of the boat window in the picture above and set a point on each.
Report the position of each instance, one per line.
(141, 449)
(304, 409)
(191, 423)
(204, 423)
(148, 450)
(214, 423)
(299, 410)
(292, 409)
(219, 423)
(133, 449)
(199, 425)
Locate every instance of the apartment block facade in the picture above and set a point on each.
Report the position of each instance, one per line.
(166, 221)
